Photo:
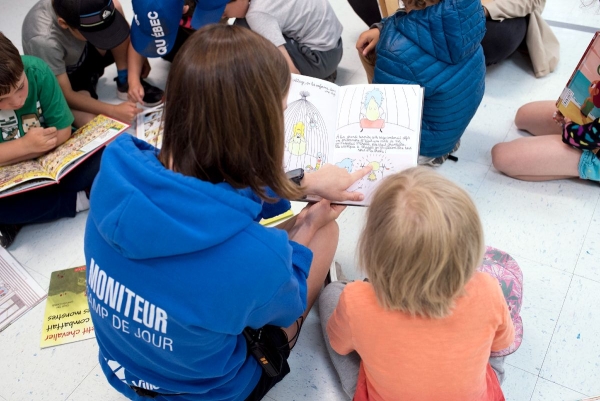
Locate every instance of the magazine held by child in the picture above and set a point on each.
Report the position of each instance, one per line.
(352, 126)
(49, 168)
(580, 100)
(67, 317)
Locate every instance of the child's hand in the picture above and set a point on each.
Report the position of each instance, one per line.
(136, 91)
(125, 111)
(41, 140)
(367, 41)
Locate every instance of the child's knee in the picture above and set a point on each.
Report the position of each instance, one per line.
(501, 158)
(522, 116)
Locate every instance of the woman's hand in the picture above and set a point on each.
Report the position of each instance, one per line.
(331, 182)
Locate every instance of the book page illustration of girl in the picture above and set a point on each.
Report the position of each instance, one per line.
(371, 113)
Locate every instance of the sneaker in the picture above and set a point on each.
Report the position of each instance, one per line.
(438, 161)
(8, 233)
(153, 96)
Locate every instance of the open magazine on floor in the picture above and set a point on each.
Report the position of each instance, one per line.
(150, 126)
(19, 292)
(53, 166)
(352, 126)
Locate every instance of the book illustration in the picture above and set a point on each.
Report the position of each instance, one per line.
(306, 135)
(580, 100)
(49, 168)
(99, 128)
(371, 114)
(150, 126)
(67, 316)
(18, 290)
(372, 107)
(381, 166)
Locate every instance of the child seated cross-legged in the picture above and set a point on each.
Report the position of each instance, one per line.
(35, 119)
(307, 32)
(435, 44)
(425, 323)
(558, 148)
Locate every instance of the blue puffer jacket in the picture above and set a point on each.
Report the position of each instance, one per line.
(438, 48)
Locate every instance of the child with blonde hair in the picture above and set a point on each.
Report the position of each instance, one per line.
(424, 325)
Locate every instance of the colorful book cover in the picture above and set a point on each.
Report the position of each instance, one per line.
(580, 100)
(67, 318)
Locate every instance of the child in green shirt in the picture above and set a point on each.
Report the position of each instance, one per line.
(34, 120)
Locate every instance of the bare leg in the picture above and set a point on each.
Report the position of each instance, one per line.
(323, 245)
(82, 117)
(540, 158)
(368, 63)
(536, 118)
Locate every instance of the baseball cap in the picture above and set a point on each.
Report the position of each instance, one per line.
(97, 20)
(155, 23)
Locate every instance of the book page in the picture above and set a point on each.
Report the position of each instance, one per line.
(309, 123)
(67, 317)
(150, 126)
(19, 292)
(378, 125)
(95, 133)
(18, 173)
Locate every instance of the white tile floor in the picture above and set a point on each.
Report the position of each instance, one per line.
(550, 228)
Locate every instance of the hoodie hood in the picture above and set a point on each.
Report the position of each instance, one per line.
(134, 193)
(450, 31)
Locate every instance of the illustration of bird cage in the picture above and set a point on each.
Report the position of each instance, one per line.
(305, 135)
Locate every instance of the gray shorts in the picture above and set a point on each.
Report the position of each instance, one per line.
(313, 63)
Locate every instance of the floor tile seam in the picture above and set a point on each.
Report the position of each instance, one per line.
(482, 181)
(554, 329)
(587, 278)
(517, 256)
(587, 232)
(82, 380)
(48, 276)
(537, 379)
(562, 385)
(523, 369)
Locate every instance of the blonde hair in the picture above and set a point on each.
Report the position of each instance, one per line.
(421, 243)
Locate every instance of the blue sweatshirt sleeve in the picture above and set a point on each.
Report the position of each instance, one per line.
(289, 301)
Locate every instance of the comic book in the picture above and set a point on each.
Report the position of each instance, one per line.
(51, 167)
(150, 126)
(352, 126)
(67, 317)
(580, 100)
(19, 292)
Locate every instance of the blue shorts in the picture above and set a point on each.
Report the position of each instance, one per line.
(589, 166)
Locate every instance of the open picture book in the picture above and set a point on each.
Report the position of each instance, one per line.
(51, 167)
(352, 127)
(150, 126)
(580, 100)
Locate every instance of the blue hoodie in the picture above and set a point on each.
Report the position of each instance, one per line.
(439, 48)
(177, 268)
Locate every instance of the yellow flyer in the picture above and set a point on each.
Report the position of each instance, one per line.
(67, 318)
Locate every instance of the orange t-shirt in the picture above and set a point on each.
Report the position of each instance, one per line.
(416, 358)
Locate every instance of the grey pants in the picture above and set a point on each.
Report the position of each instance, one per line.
(347, 366)
(313, 63)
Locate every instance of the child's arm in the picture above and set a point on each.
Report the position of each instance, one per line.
(125, 111)
(368, 40)
(505, 333)
(135, 62)
(37, 142)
